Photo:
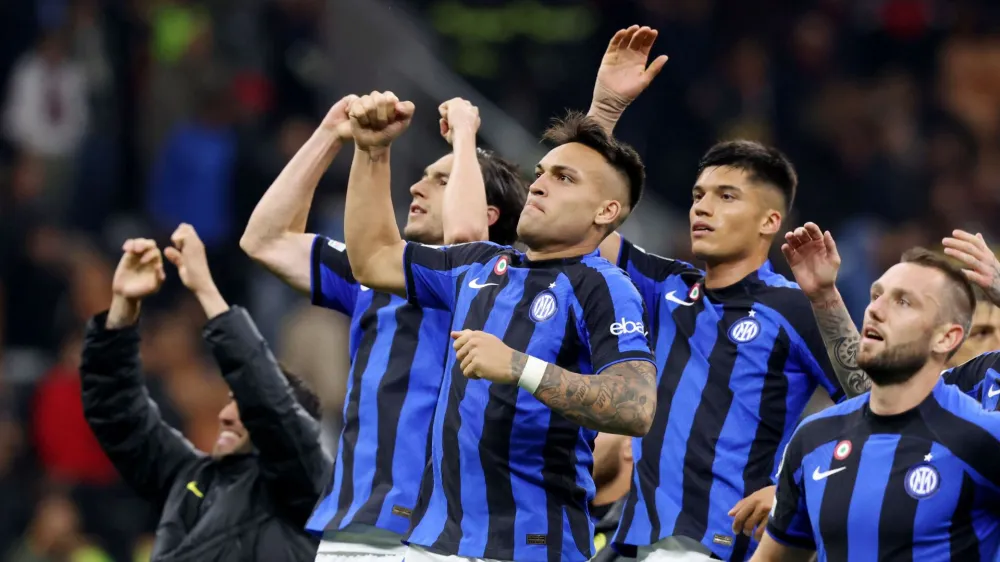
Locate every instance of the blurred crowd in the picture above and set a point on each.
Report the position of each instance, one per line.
(124, 118)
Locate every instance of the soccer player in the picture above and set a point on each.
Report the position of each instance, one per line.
(509, 477)
(247, 500)
(907, 471)
(397, 349)
(814, 259)
(737, 348)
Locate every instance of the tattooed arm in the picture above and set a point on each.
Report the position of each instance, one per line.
(841, 338)
(621, 399)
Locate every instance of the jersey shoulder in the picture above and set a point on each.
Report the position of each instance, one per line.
(953, 399)
(828, 424)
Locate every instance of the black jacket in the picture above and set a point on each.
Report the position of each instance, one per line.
(239, 508)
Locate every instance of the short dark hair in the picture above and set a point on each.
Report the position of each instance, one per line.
(305, 397)
(963, 295)
(762, 163)
(577, 127)
(506, 190)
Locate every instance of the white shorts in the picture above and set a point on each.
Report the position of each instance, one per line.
(361, 543)
(419, 554)
(673, 549)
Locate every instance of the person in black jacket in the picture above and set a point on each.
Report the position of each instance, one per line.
(250, 498)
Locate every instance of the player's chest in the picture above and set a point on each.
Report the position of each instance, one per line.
(715, 331)
(891, 485)
(516, 304)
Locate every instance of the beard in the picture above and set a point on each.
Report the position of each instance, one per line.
(897, 364)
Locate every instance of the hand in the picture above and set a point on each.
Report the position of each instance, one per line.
(981, 264)
(458, 115)
(812, 255)
(378, 119)
(623, 74)
(140, 271)
(752, 513)
(188, 255)
(338, 121)
(483, 356)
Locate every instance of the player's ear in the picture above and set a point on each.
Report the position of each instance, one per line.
(947, 338)
(492, 214)
(770, 224)
(608, 212)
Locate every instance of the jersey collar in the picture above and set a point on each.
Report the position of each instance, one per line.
(523, 261)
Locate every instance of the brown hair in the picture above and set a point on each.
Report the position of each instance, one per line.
(963, 295)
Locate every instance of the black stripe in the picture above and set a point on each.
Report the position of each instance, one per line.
(836, 501)
(653, 267)
(961, 534)
(498, 422)
(713, 407)
(475, 319)
(559, 468)
(368, 324)
(426, 483)
(899, 509)
(648, 467)
(391, 395)
(770, 429)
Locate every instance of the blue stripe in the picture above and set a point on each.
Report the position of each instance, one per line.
(422, 394)
(739, 430)
(820, 458)
(682, 411)
(367, 445)
(425, 531)
(621, 288)
(475, 512)
(526, 470)
(869, 488)
(930, 536)
(798, 343)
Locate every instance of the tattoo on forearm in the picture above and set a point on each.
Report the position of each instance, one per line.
(842, 341)
(621, 400)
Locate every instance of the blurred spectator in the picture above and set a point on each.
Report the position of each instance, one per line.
(192, 177)
(54, 535)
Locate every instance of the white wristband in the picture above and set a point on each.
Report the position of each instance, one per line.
(531, 376)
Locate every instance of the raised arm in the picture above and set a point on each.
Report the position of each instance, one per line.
(812, 255)
(374, 246)
(623, 74)
(147, 453)
(464, 213)
(275, 236)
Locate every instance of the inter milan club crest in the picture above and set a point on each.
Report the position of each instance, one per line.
(842, 450)
(745, 330)
(543, 307)
(922, 480)
(501, 267)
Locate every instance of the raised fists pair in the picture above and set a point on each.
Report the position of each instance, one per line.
(140, 271)
(377, 119)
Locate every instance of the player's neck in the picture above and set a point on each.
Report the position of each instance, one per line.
(615, 489)
(895, 399)
(542, 254)
(724, 274)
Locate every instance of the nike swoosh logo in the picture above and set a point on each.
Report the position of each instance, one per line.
(817, 475)
(671, 296)
(475, 284)
(993, 391)
(363, 288)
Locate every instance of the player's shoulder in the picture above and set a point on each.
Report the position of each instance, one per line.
(827, 424)
(631, 252)
(973, 370)
(959, 404)
(593, 269)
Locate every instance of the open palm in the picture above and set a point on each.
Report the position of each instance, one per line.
(623, 72)
(812, 255)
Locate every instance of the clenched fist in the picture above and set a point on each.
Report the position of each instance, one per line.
(140, 271)
(338, 121)
(188, 255)
(378, 119)
(484, 356)
(458, 116)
